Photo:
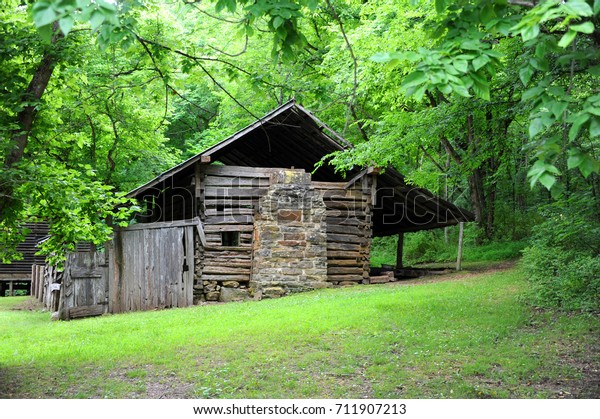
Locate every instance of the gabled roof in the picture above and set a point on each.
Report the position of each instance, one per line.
(290, 136)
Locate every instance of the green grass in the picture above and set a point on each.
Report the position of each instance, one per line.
(427, 249)
(468, 337)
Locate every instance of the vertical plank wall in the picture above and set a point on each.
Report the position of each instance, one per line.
(151, 266)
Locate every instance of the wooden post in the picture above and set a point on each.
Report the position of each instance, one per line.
(32, 284)
(399, 251)
(461, 232)
(11, 290)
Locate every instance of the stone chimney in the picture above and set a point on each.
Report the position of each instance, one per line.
(290, 239)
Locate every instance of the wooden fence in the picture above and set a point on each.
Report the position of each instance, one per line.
(144, 267)
(46, 286)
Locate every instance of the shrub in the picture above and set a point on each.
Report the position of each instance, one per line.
(562, 260)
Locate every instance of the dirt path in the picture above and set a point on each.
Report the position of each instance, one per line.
(450, 275)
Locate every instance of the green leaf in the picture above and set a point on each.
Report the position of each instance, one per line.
(575, 158)
(525, 75)
(461, 66)
(535, 127)
(277, 21)
(557, 108)
(388, 57)
(533, 92)
(96, 19)
(66, 24)
(577, 124)
(312, 5)
(106, 5)
(461, 90)
(596, 6)
(589, 166)
(440, 6)
(415, 78)
(548, 180)
(539, 64)
(481, 61)
(587, 27)
(595, 70)
(579, 8)
(43, 14)
(45, 33)
(530, 32)
(567, 38)
(595, 127)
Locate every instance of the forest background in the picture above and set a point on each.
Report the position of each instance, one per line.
(492, 104)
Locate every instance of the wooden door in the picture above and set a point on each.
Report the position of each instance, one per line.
(85, 285)
(151, 266)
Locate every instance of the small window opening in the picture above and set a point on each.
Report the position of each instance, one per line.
(230, 238)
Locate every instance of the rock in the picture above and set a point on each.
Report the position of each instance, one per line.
(347, 283)
(231, 284)
(54, 316)
(212, 296)
(273, 292)
(233, 294)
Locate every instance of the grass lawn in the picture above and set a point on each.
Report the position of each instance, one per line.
(470, 336)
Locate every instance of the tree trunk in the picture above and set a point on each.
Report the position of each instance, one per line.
(35, 90)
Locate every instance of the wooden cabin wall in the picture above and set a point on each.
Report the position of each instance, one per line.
(227, 201)
(349, 230)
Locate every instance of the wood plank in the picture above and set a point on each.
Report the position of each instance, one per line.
(222, 192)
(214, 277)
(230, 211)
(189, 274)
(87, 311)
(341, 278)
(200, 231)
(228, 263)
(224, 270)
(344, 194)
(148, 287)
(341, 229)
(161, 271)
(237, 181)
(328, 185)
(167, 224)
(344, 246)
(381, 279)
(352, 221)
(239, 171)
(230, 248)
(343, 254)
(231, 202)
(345, 262)
(336, 270)
(231, 219)
(228, 227)
(355, 179)
(355, 207)
(345, 238)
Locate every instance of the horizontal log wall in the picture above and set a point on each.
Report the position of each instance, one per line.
(227, 198)
(349, 230)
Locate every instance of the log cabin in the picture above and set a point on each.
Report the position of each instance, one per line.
(271, 221)
(251, 217)
(16, 275)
